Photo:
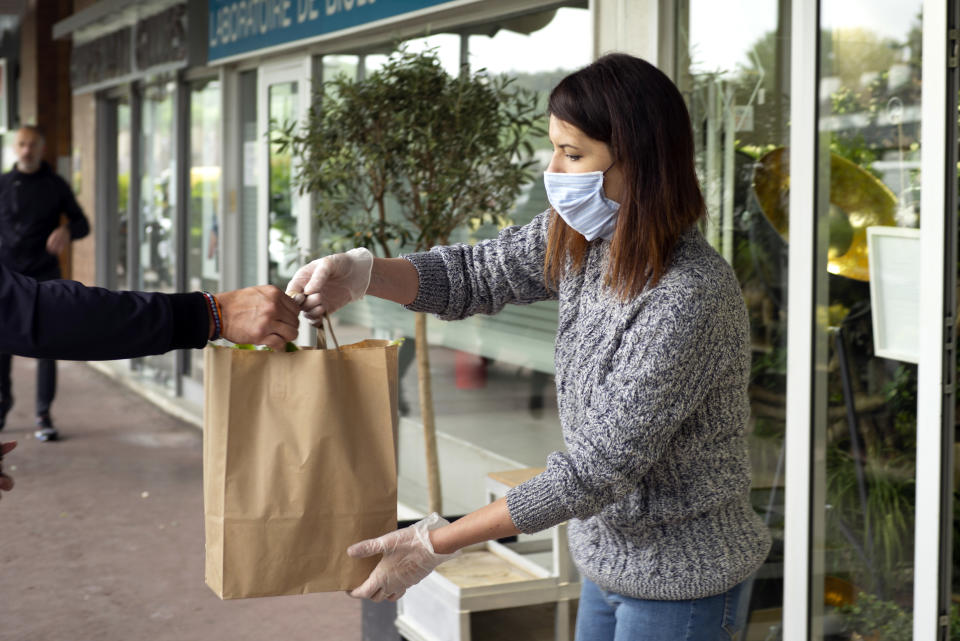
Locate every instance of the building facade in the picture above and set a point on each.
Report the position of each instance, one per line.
(826, 135)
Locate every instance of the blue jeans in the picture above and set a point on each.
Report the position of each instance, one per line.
(606, 616)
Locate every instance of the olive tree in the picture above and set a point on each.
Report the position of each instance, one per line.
(403, 158)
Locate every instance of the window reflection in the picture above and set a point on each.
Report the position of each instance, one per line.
(157, 212)
(498, 367)
(250, 248)
(870, 100)
(203, 263)
(204, 237)
(733, 64)
(157, 193)
(123, 192)
(282, 244)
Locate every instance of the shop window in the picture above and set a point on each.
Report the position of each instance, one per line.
(342, 65)
(249, 244)
(121, 213)
(203, 207)
(157, 232)
(733, 69)
(492, 375)
(203, 242)
(283, 256)
(447, 46)
(870, 97)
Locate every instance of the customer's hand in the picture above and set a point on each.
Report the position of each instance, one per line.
(331, 282)
(6, 482)
(408, 557)
(58, 240)
(261, 315)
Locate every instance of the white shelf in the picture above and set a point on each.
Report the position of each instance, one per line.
(492, 576)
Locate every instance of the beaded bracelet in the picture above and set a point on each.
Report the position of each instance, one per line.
(214, 307)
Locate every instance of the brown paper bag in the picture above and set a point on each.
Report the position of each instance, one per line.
(298, 463)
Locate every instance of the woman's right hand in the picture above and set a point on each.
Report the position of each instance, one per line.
(331, 282)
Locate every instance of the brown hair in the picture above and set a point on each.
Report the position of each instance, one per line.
(637, 111)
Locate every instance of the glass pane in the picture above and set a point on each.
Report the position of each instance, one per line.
(955, 551)
(865, 404)
(249, 244)
(203, 257)
(343, 65)
(123, 193)
(158, 211)
(203, 239)
(732, 67)
(542, 66)
(447, 46)
(156, 191)
(501, 366)
(282, 244)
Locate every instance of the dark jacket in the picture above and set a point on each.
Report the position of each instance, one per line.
(30, 208)
(63, 319)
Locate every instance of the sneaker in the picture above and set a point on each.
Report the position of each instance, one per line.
(4, 408)
(47, 431)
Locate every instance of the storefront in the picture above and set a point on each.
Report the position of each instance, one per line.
(487, 371)
(152, 155)
(825, 132)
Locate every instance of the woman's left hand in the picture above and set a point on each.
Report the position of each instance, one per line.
(408, 557)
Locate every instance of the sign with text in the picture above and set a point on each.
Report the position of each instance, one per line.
(153, 42)
(242, 26)
(895, 291)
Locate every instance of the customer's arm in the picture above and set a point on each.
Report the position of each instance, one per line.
(452, 281)
(66, 320)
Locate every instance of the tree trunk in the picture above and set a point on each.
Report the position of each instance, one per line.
(426, 413)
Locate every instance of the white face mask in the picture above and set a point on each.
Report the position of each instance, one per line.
(580, 201)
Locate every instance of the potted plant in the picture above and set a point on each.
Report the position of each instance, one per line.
(871, 618)
(404, 157)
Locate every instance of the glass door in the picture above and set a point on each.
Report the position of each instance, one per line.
(249, 246)
(284, 215)
(122, 205)
(203, 207)
(203, 240)
(734, 74)
(157, 229)
(865, 428)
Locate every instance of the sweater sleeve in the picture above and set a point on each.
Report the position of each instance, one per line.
(457, 281)
(680, 342)
(66, 320)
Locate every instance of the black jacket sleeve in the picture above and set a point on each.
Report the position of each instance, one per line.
(79, 225)
(66, 320)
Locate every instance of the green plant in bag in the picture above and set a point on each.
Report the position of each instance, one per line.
(290, 347)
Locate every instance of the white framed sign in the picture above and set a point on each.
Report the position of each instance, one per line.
(895, 291)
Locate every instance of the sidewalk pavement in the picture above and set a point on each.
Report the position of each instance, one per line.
(102, 537)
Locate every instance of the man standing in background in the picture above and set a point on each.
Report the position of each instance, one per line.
(32, 200)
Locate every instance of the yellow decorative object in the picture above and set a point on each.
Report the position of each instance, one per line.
(857, 200)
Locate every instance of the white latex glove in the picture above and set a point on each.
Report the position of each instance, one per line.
(331, 282)
(408, 557)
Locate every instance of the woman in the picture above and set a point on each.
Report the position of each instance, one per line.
(652, 362)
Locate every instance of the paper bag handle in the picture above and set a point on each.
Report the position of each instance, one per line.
(322, 337)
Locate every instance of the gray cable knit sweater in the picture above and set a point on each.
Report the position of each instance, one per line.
(653, 401)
